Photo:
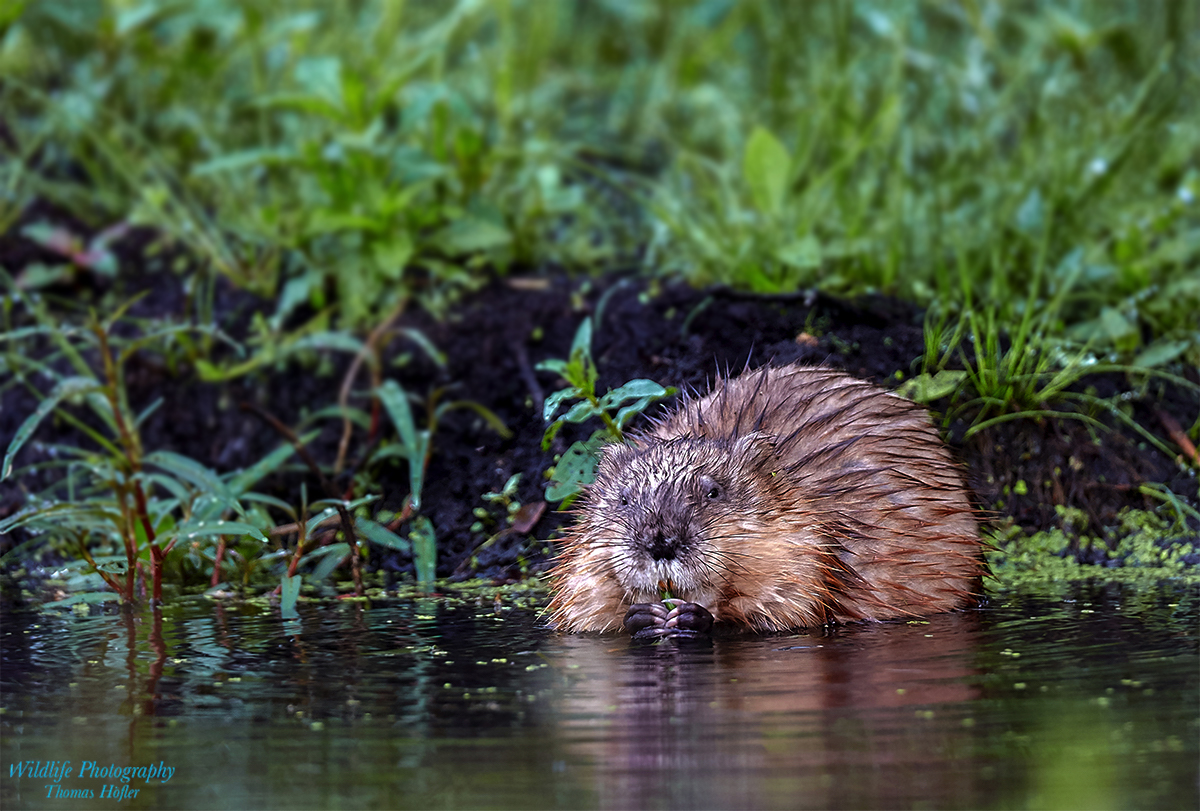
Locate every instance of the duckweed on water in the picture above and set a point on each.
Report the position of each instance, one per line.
(1148, 548)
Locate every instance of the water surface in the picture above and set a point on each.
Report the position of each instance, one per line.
(1085, 699)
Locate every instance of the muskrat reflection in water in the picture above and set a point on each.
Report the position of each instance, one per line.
(784, 498)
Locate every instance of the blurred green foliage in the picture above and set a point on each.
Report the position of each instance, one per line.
(375, 150)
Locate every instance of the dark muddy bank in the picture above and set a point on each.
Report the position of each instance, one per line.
(492, 342)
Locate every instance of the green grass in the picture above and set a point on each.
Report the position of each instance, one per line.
(370, 152)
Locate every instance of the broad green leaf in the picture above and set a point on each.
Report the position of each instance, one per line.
(91, 597)
(632, 410)
(638, 388)
(391, 255)
(582, 343)
(378, 533)
(556, 365)
(766, 168)
(574, 470)
(68, 387)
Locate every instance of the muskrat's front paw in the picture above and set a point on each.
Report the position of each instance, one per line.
(646, 619)
(689, 618)
(669, 618)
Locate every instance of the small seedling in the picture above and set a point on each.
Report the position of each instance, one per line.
(577, 467)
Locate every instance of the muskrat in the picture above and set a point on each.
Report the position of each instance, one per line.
(785, 498)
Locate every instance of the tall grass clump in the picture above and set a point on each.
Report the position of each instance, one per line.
(375, 153)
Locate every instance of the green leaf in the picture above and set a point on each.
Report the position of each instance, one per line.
(556, 399)
(582, 344)
(424, 546)
(243, 160)
(289, 591)
(803, 254)
(551, 432)
(766, 168)
(395, 402)
(581, 412)
(640, 387)
(68, 387)
(241, 482)
(378, 533)
(330, 339)
(471, 235)
(193, 529)
(488, 415)
(208, 482)
(925, 388)
(632, 410)
(334, 554)
(575, 469)
(270, 501)
(1031, 214)
(1160, 353)
(391, 255)
(419, 338)
(556, 365)
(91, 597)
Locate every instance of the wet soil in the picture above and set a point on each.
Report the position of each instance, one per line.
(493, 340)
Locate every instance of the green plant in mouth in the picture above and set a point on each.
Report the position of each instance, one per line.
(577, 467)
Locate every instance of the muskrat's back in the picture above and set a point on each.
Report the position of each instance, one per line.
(786, 497)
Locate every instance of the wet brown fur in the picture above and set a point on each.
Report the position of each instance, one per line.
(795, 496)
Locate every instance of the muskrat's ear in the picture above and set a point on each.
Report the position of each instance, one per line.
(756, 449)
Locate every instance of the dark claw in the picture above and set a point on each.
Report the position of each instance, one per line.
(653, 620)
(690, 618)
(646, 619)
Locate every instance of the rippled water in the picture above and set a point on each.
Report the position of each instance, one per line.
(1085, 700)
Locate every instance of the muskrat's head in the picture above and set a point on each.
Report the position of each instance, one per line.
(671, 512)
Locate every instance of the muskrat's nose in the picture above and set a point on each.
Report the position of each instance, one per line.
(662, 547)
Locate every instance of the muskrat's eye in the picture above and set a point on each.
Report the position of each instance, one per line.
(624, 498)
(712, 491)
